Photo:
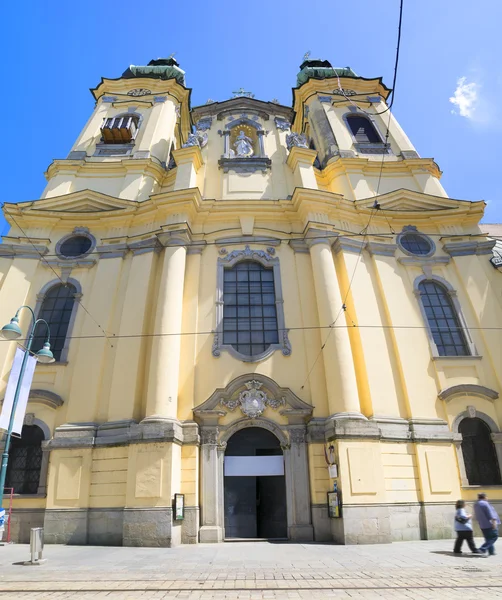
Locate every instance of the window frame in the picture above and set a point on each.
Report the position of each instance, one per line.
(267, 260)
(367, 147)
(41, 296)
(411, 230)
(77, 232)
(451, 292)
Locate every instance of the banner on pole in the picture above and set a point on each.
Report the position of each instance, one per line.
(23, 393)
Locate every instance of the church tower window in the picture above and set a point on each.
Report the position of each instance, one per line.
(120, 130)
(367, 139)
(443, 320)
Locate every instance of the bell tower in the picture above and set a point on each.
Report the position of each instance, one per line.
(362, 150)
(124, 148)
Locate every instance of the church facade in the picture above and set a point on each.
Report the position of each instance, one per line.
(268, 322)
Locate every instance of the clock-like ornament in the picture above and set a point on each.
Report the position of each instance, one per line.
(139, 92)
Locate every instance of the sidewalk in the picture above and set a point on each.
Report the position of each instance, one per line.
(255, 570)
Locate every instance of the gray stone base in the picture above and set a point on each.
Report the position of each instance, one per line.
(367, 524)
(209, 534)
(190, 525)
(67, 526)
(438, 521)
(301, 533)
(105, 526)
(384, 523)
(152, 527)
(22, 520)
(321, 523)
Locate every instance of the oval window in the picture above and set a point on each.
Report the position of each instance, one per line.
(415, 243)
(75, 246)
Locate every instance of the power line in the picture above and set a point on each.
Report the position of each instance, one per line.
(288, 329)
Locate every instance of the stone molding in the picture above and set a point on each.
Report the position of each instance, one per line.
(381, 248)
(46, 398)
(115, 433)
(469, 247)
(468, 389)
(419, 261)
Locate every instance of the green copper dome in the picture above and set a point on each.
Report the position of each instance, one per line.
(161, 68)
(321, 69)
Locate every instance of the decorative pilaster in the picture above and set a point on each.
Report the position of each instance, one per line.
(211, 501)
(300, 528)
(338, 360)
(162, 397)
(188, 161)
(301, 161)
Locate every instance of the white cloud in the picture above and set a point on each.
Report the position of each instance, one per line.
(465, 98)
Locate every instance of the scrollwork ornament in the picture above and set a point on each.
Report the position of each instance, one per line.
(344, 92)
(215, 350)
(248, 253)
(139, 92)
(296, 139)
(297, 436)
(209, 437)
(253, 401)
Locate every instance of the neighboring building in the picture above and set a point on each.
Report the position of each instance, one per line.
(251, 228)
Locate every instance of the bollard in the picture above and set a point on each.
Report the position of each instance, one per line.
(36, 546)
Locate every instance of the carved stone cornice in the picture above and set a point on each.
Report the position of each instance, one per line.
(469, 247)
(175, 237)
(381, 249)
(468, 389)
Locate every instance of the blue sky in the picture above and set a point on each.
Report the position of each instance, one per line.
(54, 51)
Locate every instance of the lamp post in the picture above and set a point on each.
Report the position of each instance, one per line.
(12, 331)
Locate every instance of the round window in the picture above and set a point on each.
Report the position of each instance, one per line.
(75, 246)
(415, 243)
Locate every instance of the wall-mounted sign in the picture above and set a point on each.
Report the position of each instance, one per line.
(179, 507)
(334, 505)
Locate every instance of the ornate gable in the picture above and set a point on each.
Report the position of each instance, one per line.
(409, 201)
(86, 201)
(248, 396)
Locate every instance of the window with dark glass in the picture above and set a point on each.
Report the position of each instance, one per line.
(76, 245)
(56, 309)
(443, 320)
(363, 130)
(25, 461)
(249, 311)
(478, 450)
(415, 244)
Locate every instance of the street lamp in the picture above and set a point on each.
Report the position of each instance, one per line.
(12, 331)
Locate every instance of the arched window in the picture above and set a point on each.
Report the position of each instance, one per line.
(478, 450)
(444, 323)
(363, 130)
(56, 309)
(25, 461)
(249, 310)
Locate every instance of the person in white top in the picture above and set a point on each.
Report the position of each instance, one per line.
(463, 527)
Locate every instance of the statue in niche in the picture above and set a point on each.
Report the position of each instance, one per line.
(243, 146)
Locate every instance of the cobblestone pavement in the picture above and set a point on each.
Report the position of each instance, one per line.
(255, 570)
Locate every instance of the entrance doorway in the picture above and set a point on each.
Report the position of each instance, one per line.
(254, 486)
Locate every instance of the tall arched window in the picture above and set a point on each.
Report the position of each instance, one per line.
(443, 320)
(25, 461)
(249, 311)
(478, 450)
(56, 309)
(363, 129)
